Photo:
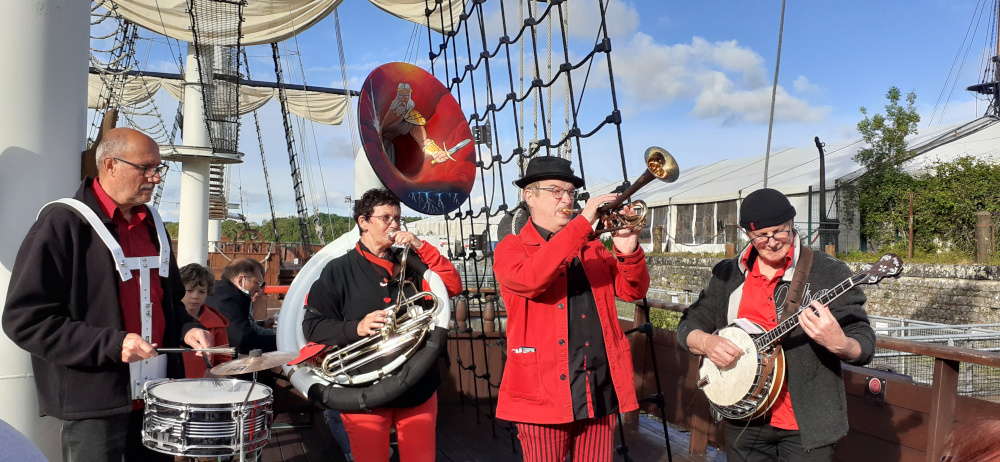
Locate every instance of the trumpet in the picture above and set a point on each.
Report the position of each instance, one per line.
(659, 165)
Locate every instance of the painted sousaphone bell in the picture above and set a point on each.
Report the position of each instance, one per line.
(416, 138)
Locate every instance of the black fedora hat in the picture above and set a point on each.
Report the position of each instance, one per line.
(548, 168)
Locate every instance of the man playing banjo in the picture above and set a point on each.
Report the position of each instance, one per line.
(809, 413)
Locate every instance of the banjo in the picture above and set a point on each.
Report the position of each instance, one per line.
(749, 386)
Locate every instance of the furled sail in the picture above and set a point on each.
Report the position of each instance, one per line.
(444, 17)
(324, 108)
(266, 21)
(270, 21)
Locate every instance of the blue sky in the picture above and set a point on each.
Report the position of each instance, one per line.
(692, 77)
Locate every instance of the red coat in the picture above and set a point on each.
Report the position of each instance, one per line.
(532, 277)
(215, 323)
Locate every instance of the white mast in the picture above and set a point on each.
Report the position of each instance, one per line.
(192, 231)
(43, 120)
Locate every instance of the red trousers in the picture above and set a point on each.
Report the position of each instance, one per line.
(415, 432)
(589, 440)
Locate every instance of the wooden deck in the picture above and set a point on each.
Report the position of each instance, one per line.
(463, 436)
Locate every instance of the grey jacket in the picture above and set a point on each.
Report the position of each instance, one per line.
(813, 373)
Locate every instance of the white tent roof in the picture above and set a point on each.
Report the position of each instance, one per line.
(793, 171)
(979, 138)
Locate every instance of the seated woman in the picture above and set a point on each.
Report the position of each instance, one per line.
(349, 301)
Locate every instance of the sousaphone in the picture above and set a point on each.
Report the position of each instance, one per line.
(419, 145)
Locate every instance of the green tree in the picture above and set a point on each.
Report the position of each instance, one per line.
(881, 193)
(946, 199)
(231, 228)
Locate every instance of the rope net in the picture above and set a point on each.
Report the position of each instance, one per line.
(218, 52)
(504, 59)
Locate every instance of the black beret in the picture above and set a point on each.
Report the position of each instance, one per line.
(764, 208)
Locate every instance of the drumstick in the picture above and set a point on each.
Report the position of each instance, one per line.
(214, 350)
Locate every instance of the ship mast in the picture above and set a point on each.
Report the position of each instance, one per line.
(992, 88)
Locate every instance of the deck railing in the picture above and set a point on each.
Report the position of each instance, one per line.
(913, 422)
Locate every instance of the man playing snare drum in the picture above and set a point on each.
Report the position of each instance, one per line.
(810, 412)
(92, 335)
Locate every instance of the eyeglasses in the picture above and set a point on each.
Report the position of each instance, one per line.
(260, 283)
(557, 192)
(147, 172)
(778, 236)
(386, 218)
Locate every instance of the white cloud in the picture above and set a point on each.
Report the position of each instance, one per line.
(584, 18)
(722, 100)
(803, 85)
(725, 81)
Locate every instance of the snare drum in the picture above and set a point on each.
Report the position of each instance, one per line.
(200, 417)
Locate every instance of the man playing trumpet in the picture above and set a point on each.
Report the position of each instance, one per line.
(569, 368)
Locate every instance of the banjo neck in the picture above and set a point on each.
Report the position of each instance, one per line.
(766, 340)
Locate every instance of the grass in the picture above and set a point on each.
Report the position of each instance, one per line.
(689, 254)
(662, 319)
(921, 257)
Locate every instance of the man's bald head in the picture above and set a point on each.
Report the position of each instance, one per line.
(124, 158)
(116, 141)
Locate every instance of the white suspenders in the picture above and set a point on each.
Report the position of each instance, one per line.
(154, 368)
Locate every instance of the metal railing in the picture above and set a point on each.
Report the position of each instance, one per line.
(975, 380)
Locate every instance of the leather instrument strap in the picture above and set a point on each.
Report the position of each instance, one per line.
(794, 299)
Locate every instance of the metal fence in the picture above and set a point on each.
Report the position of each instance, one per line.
(974, 380)
(672, 296)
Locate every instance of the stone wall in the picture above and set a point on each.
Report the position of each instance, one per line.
(938, 293)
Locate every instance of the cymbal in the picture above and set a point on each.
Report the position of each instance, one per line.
(249, 364)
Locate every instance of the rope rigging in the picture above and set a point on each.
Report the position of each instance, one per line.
(491, 88)
(300, 197)
(263, 161)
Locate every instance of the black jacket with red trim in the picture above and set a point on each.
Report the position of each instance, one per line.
(350, 287)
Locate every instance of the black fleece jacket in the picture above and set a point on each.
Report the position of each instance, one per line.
(62, 307)
(235, 305)
(813, 373)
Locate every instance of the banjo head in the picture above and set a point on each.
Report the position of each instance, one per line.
(727, 386)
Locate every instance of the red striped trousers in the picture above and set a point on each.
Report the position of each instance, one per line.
(589, 440)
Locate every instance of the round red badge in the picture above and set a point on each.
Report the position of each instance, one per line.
(874, 385)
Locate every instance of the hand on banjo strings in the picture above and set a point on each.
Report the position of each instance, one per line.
(721, 351)
(820, 325)
(373, 322)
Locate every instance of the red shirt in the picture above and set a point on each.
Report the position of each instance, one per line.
(134, 237)
(215, 323)
(757, 305)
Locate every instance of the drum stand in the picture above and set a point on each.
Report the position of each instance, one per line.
(244, 413)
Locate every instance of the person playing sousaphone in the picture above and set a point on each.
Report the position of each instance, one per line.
(348, 302)
(809, 413)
